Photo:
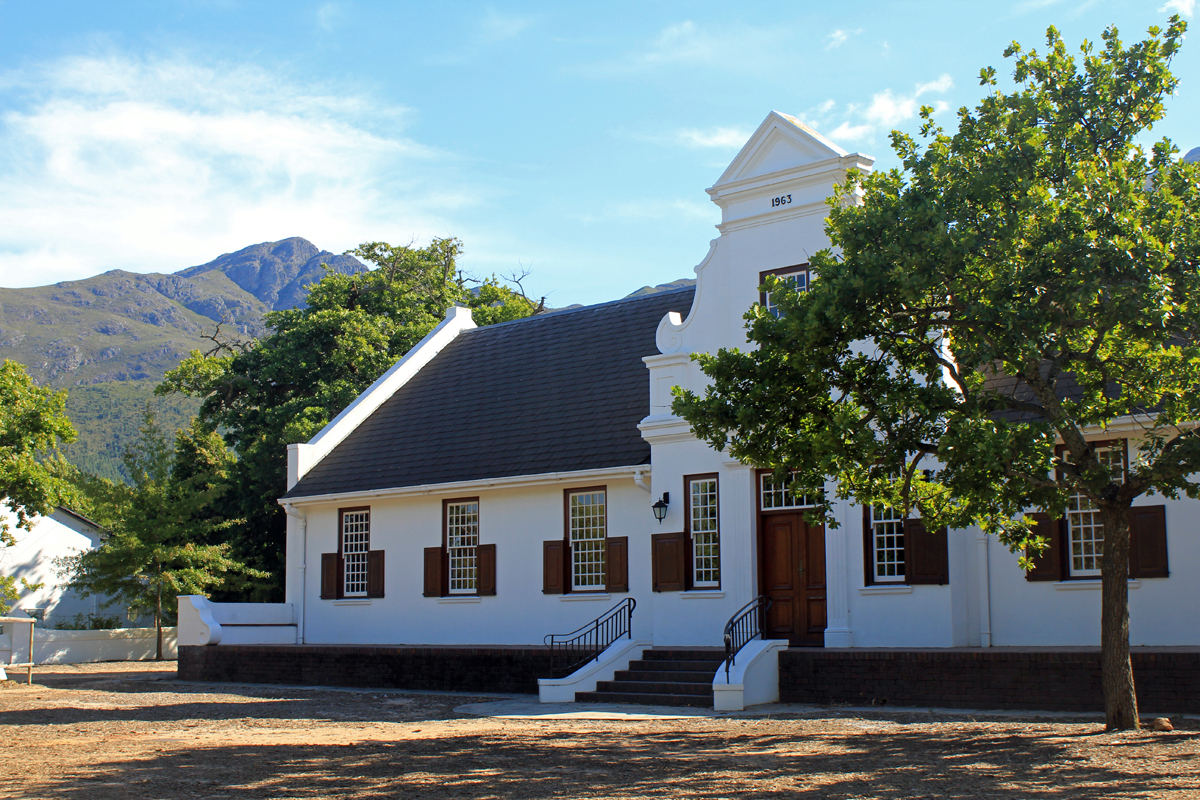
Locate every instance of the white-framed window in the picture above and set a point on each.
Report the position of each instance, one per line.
(356, 543)
(796, 277)
(776, 496)
(587, 524)
(704, 530)
(462, 545)
(887, 544)
(1084, 527)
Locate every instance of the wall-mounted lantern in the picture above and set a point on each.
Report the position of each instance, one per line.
(660, 507)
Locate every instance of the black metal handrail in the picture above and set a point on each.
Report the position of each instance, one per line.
(743, 626)
(581, 646)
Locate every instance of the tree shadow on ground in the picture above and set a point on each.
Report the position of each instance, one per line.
(565, 763)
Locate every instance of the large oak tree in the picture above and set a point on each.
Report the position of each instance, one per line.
(990, 310)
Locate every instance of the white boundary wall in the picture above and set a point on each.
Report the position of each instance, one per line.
(81, 647)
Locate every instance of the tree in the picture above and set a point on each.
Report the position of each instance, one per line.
(316, 360)
(1021, 284)
(154, 546)
(32, 421)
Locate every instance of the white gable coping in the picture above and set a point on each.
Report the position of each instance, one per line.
(303, 457)
(783, 159)
(781, 142)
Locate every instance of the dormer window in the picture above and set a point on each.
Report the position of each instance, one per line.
(796, 277)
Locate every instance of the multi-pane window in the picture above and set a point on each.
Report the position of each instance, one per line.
(462, 545)
(887, 532)
(774, 495)
(1083, 517)
(704, 529)
(356, 543)
(796, 280)
(588, 528)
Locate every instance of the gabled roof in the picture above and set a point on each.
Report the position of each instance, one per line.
(558, 392)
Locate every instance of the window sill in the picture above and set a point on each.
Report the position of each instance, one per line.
(884, 588)
(1089, 583)
(573, 596)
(353, 601)
(702, 594)
(467, 598)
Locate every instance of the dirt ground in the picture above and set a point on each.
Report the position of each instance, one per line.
(129, 731)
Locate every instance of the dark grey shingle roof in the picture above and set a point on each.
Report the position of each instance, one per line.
(553, 393)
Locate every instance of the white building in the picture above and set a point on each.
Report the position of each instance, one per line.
(62, 533)
(495, 485)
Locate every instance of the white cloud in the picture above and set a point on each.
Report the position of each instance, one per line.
(839, 37)
(851, 133)
(497, 28)
(714, 137)
(158, 164)
(886, 111)
(736, 46)
(329, 15)
(1185, 7)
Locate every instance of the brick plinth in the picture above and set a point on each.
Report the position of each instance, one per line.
(469, 669)
(1167, 679)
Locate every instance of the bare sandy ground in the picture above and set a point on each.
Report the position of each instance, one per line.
(129, 731)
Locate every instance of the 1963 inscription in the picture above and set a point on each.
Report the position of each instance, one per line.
(782, 200)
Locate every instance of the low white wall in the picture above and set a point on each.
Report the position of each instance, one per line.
(81, 647)
(202, 622)
(616, 657)
(753, 679)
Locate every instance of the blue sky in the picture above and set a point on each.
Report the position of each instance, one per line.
(571, 140)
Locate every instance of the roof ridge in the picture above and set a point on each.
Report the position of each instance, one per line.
(629, 299)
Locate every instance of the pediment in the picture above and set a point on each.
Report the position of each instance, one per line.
(781, 142)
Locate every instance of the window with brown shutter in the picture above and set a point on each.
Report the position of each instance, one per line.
(1148, 542)
(331, 569)
(1048, 566)
(487, 569)
(435, 572)
(926, 554)
(617, 575)
(375, 573)
(554, 557)
(668, 555)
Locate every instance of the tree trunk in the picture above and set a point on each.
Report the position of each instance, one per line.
(1116, 671)
(158, 623)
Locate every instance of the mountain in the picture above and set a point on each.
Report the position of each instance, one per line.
(110, 338)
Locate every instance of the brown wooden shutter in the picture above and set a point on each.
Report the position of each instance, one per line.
(375, 573)
(554, 559)
(329, 576)
(868, 548)
(485, 561)
(1047, 566)
(617, 576)
(434, 583)
(1148, 542)
(669, 561)
(926, 560)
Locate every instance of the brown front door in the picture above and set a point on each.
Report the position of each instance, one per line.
(792, 569)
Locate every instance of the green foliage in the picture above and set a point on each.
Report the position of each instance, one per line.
(316, 360)
(87, 622)
(1038, 243)
(107, 417)
(160, 529)
(32, 423)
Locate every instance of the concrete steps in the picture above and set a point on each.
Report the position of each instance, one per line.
(662, 677)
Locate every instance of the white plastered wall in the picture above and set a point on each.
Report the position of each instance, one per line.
(33, 558)
(517, 520)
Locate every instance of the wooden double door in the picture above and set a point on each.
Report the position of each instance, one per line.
(792, 573)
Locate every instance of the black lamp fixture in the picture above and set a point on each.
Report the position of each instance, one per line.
(660, 507)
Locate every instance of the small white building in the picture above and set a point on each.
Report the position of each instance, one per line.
(495, 485)
(63, 533)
